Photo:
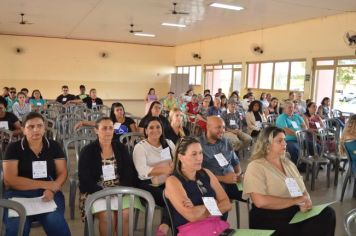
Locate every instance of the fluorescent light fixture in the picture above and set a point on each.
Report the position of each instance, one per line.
(173, 25)
(145, 35)
(226, 6)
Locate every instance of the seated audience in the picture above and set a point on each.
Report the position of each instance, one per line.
(36, 167)
(206, 91)
(238, 139)
(211, 101)
(220, 158)
(301, 105)
(273, 108)
(25, 91)
(325, 113)
(291, 123)
(254, 118)
(66, 97)
(277, 191)
(21, 108)
(292, 97)
(170, 101)
(219, 93)
(119, 171)
(188, 95)
(150, 97)
(349, 133)
(36, 101)
(312, 120)
(263, 100)
(8, 120)
(153, 161)
(246, 102)
(223, 105)
(181, 104)
(235, 95)
(176, 129)
(5, 92)
(202, 114)
(192, 107)
(82, 94)
(215, 110)
(249, 91)
(155, 111)
(92, 101)
(11, 99)
(187, 187)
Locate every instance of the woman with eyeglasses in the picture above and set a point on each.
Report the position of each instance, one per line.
(21, 108)
(153, 161)
(176, 129)
(102, 164)
(187, 189)
(277, 190)
(154, 111)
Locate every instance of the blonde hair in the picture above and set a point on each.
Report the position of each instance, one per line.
(348, 133)
(264, 141)
(171, 114)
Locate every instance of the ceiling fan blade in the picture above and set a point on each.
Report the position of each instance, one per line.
(182, 13)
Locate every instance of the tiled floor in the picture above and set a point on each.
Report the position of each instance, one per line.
(321, 194)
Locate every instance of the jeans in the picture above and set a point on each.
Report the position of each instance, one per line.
(53, 222)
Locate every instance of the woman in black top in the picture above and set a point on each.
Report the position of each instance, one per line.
(104, 163)
(188, 185)
(36, 167)
(176, 129)
(155, 110)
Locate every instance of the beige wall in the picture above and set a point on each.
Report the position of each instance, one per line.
(322, 37)
(128, 71)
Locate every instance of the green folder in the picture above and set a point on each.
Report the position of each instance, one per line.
(100, 204)
(253, 232)
(240, 186)
(300, 216)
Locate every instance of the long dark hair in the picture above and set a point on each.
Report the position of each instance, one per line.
(307, 113)
(181, 148)
(112, 114)
(149, 113)
(211, 103)
(149, 91)
(162, 138)
(323, 101)
(33, 92)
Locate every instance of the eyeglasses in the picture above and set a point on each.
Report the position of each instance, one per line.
(13, 92)
(201, 187)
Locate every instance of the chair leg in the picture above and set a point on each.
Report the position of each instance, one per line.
(328, 170)
(344, 186)
(237, 208)
(354, 190)
(314, 166)
(137, 214)
(337, 166)
(72, 193)
(307, 172)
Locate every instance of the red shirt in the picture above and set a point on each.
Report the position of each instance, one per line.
(192, 107)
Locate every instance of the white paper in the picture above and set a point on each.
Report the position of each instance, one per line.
(108, 172)
(294, 124)
(117, 125)
(317, 124)
(258, 124)
(211, 205)
(4, 125)
(33, 206)
(39, 169)
(64, 99)
(293, 187)
(221, 159)
(232, 122)
(93, 104)
(165, 154)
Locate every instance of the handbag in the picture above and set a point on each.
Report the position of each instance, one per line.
(210, 226)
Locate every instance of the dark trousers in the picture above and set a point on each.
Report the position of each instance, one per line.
(233, 193)
(157, 195)
(320, 225)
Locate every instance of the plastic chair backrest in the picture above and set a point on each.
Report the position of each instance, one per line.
(350, 222)
(350, 149)
(169, 210)
(303, 136)
(130, 139)
(4, 203)
(272, 118)
(119, 192)
(329, 140)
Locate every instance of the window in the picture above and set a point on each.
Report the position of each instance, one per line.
(194, 72)
(278, 75)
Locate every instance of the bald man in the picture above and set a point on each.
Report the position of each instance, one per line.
(220, 158)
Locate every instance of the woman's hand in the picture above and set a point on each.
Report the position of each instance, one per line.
(52, 186)
(78, 125)
(306, 206)
(47, 195)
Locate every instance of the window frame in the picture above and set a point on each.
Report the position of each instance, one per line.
(195, 73)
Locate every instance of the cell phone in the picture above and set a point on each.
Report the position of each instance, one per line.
(228, 232)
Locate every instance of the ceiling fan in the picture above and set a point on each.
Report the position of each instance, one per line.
(175, 12)
(24, 22)
(132, 31)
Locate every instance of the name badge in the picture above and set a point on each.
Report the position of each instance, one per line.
(211, 206)
(221, 159)
(294, 124)
(64, 99)
(258, 124)
(4, 125)
(94, 104)
(39, 104)
(232, 122)
(293, 187)
(39, 169)
(317, 124)
(108, 172)
(165, 154)
(117, 125)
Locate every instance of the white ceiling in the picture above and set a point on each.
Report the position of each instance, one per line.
(109, 20)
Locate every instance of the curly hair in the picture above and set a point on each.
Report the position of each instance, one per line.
(348, 133)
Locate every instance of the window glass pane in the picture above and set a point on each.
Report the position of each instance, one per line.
(266, 75)
(218, 67)
(236, 83)
(198, 77)
(347, 62)
(180, 70)
(208, 67)
(252, 75)
(192, 75)
(297, 76)
(227, 66)
(237, 66)
(325, 63)
(185, 70)
(281, 75)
